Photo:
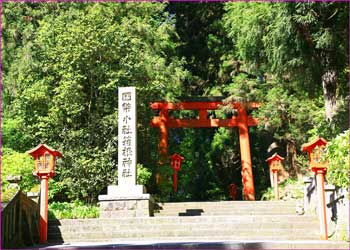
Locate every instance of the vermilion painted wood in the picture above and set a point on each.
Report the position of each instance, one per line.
(247, 172)
(242, 121)
(320, 174)
(274, 157)
(199, 105)
(175, 161)
(274, 162)
(275, 183)
(202, 123)
(320, 170)
(44, 194)
(44, 175)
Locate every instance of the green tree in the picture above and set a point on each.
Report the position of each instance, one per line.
(204, 44)
(63, 63)
(298, 42)
(291, 54)
(68, 77)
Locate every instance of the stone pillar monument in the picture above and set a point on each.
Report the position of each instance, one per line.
(127, 198)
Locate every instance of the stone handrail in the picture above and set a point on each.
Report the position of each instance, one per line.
(337, 205)
(20, 222)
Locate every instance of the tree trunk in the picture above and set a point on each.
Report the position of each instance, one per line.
(329, 84)
(291, 158)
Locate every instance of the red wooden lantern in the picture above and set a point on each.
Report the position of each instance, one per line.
(275, 163)
(175, 162)
(45, 161)
(316, 152)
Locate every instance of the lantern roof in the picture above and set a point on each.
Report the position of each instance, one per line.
(176, 157)
(274, 157)
(41, 149)
(319, 141)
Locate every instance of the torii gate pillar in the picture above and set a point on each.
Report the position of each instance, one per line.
(242, 121)
(246, 160)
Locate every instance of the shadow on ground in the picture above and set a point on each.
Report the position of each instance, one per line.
(163, 245)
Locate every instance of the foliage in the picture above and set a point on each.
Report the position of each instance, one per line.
(77, 56)
(225, 160)
(57, 190)
(15, 163)
(289, 189)
(143, 175)
(243, 89)
(12, 135)
(296, 42)
(165, 188)
(287, 115)
(198, 179)
(73, 210)
(63, 63)
(204, 44)
(338, 160)
(287, 53)
(8, 194)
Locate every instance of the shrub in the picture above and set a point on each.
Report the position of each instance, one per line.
(289, 189)
(338, 160)
(15, 163)
(143, 174)
(74, 210)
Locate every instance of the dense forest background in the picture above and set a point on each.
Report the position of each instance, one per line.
(63, 63)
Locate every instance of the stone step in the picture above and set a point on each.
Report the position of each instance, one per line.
(226, 208)
(230, 203)
(185, 219)
(227, 212)
(224, 220)
(235, 227)
(204, 243)
(286, 234)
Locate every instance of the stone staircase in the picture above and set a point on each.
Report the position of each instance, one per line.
(270, 224)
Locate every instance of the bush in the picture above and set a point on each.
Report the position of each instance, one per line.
(15, 163)
(289, 189)
(338, 160)
(74, 210)
(57, 190)
(143, 174)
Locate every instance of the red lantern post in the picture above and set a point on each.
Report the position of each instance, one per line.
(175, 161)
(45, 160)
(275, 165)
(315, 150)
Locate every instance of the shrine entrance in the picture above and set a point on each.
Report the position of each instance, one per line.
(242, 120)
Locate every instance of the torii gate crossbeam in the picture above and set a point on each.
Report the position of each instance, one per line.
(242, 121)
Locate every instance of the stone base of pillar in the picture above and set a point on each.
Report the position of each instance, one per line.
(126, 202)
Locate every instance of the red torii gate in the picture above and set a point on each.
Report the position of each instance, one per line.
(242, 121)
